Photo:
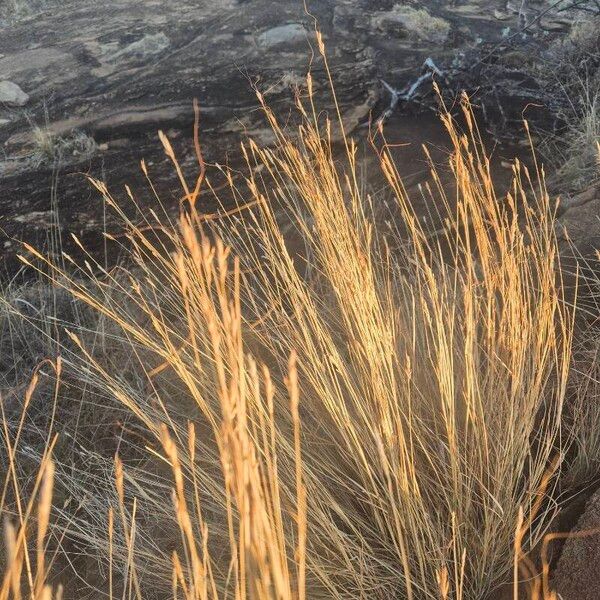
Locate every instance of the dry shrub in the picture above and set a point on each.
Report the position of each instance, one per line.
(429, 380)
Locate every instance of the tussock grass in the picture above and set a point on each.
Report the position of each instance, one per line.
(572, 85)
(579, 168)
(366, 413)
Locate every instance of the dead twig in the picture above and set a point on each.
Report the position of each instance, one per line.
(407, 93)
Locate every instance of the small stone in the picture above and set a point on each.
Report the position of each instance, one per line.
(291, 33)
(4, 122)
(501, 15)
(103, 147)
(555, 25)
(12, 95)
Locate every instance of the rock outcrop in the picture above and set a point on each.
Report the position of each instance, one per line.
(580, 222)
(96, 81)
(577, 576)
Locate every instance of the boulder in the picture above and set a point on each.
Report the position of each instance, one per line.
(577, 576)
(12, 95)
(282, 35)
(579, 224)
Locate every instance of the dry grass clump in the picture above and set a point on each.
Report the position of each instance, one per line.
(414, 23)
(25, 505)
(584, 408)
(259, 566)
(354, 413)
(572, 85)
(579, 167)
(51, 149)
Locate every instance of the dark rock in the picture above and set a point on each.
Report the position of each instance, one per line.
(580, 222)
(577, 576)
(119, 71)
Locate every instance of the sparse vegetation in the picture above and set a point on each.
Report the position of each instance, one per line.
(415, 22)
(46, 149)
(51, 149)
(573, 89)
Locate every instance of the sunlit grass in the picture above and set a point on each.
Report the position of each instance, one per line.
(354, 410)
